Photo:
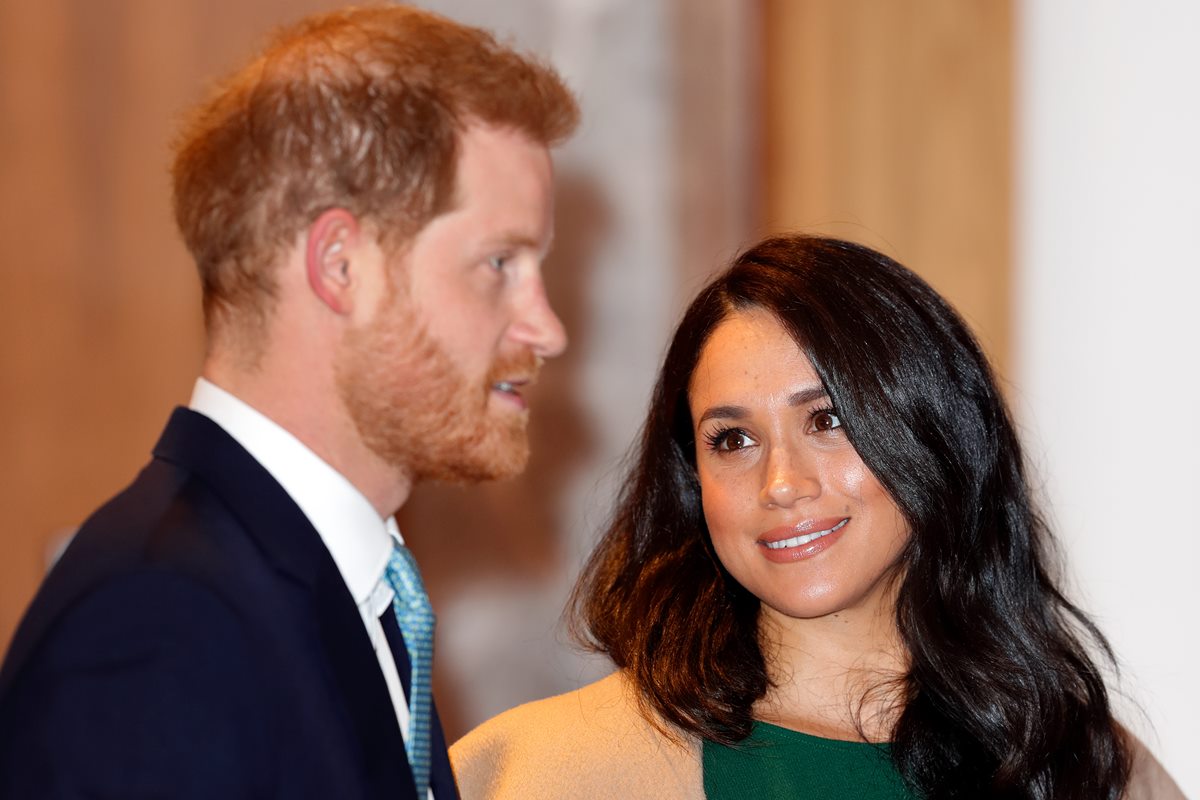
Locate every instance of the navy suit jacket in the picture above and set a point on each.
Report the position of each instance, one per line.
(196, 640)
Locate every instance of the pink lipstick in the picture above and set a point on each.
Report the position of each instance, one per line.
(796, 542)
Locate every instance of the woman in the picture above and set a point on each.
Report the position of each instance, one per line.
(825, 576)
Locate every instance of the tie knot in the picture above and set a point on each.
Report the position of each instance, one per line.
(405, 579)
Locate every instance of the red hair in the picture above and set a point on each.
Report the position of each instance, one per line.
(359, 109)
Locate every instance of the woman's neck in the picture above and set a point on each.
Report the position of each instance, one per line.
(838, 676)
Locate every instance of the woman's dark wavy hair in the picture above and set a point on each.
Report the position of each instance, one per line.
(1002, 699)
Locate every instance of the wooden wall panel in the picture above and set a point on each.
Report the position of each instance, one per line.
(717, 102)
(890, 122)
(100, 332)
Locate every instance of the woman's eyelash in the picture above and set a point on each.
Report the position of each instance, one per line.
(714, 439)
(825, 411)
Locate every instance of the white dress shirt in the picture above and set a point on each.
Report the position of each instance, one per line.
(353, 532)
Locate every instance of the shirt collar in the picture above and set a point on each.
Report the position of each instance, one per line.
(381, 597)
(352, 531)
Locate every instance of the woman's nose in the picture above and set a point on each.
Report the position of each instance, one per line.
(790, 478)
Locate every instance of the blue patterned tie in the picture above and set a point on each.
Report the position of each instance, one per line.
(415, 617)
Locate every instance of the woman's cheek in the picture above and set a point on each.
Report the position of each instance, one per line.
(853, 477)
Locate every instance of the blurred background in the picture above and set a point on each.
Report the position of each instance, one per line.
(1034, 160)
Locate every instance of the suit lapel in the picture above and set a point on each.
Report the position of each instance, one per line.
(289, 541)
(356, 671)
(441, 777)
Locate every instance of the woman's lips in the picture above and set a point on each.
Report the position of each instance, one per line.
(804, 540)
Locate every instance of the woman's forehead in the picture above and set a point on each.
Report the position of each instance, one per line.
(751, 356)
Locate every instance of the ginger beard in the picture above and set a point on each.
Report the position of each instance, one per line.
(416, 410)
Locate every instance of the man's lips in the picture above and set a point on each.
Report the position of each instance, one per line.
(510, 388)
(799, 535)
(510, 375)
(512, 385)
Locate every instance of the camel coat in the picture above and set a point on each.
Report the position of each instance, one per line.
(595, 743)
(587, 744)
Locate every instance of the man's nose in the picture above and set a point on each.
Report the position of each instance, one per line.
(537, 326)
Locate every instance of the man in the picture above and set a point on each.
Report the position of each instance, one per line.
(368, 203)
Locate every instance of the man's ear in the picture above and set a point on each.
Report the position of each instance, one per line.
(333, 240)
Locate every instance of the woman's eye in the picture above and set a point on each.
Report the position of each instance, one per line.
(730, 440)
(736, 440)
(498, 262)
(825, 421)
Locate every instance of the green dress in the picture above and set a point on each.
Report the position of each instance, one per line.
(777, 763)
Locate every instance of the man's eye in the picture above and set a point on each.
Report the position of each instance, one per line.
(498, 262)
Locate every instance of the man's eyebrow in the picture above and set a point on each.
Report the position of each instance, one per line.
(515, 240)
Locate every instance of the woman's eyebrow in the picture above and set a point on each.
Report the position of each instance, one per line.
(806, 396)
(800, 398)
(723, 412)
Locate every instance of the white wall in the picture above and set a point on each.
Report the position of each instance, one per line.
(1108, 299)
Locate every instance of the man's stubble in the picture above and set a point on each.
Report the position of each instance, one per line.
(416, 410)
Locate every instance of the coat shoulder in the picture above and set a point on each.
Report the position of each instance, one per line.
(1148, 779)
(592, 742)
